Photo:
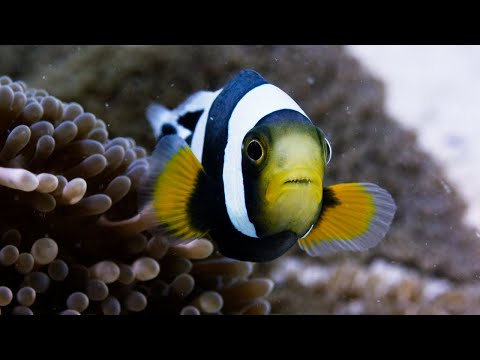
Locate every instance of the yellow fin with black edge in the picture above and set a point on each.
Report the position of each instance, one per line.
(354, 217)
(173, 187)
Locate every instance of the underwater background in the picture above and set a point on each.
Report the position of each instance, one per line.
(429, 262)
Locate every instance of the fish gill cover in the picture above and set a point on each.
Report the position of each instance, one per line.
(429, 261)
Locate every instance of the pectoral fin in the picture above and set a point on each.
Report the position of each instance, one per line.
(175, 189)
(354, 217)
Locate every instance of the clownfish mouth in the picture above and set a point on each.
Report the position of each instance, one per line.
(302, 181)
(292, 181)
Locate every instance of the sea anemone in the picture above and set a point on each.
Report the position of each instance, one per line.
(71, 238)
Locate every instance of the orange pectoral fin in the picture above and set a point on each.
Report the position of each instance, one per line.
(354, 217)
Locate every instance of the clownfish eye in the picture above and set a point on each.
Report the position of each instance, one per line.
(254, 150)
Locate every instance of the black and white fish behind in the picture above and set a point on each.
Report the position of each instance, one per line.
(246, 165)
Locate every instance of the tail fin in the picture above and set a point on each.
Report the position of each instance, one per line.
(158, 115)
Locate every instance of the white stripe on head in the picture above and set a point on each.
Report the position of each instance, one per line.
(256, 104)
(199, 133)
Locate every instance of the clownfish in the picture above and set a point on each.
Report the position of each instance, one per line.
(245, 165)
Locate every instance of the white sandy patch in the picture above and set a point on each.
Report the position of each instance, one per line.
(435, 90)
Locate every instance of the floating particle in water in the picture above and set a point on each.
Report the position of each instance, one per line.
(446, 187)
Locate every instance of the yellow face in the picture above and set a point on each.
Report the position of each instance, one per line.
(283, 166)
